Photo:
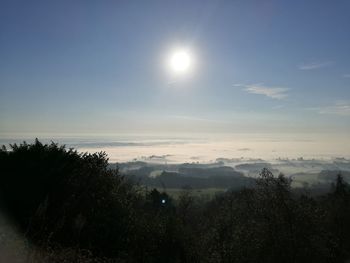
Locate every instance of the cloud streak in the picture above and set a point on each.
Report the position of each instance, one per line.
(271, 92)
(341, 108)
(315, 65)
(198, 119)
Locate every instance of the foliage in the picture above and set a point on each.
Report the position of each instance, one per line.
(60, 196)
(74, 209)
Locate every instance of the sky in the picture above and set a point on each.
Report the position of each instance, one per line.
(100, 67)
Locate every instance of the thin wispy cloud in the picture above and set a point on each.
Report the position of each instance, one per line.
(341, 108)
(195, 118)
(271, 92)
(315, 65)
(190, 118)
(277, 107)
(346, 75)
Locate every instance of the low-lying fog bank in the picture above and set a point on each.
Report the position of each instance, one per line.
(233, 173)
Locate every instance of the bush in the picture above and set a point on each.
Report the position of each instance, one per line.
(60, 196)
(74, 209)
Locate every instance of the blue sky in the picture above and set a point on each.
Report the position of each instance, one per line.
(99, 66)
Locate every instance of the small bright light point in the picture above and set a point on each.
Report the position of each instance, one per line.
(180, 61)
(163, 201)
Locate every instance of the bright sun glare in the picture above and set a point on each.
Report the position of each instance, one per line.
(180, 61)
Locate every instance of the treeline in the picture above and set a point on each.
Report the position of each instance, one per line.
(186, 175)
(72, 208)
(181, 180)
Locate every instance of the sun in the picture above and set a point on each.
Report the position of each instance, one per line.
(180, 61)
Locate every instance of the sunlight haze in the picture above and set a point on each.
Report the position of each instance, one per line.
(199, 67)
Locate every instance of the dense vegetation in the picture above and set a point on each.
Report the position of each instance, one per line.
(176, 180)
(62, 200)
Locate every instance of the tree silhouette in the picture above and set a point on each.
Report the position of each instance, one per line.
(63, 197)
(76, 208)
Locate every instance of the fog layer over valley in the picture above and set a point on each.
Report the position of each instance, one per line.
(233, 173)
(59, 205)
(222, 161)
(202, 147)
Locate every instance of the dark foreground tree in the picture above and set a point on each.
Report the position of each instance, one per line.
(337, 206)
(268, 223)
(60, 196)
(75, 209)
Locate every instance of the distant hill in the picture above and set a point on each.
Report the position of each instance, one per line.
(198, 178)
